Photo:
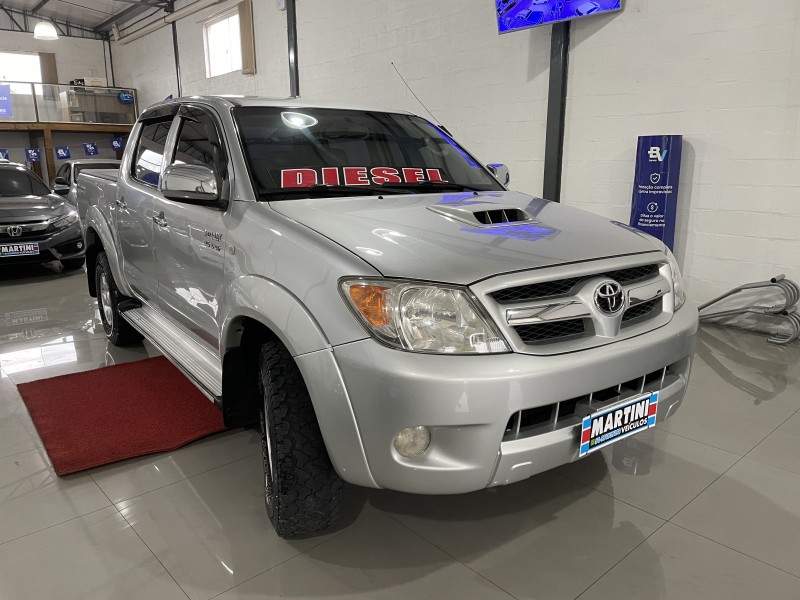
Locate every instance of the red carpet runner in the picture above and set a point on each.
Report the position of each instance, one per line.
(98, 417)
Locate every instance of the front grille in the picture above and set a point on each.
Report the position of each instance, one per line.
(545, 332)
(563, 287)
(567, 413)
(26, 235)
(31, 230)
(640, 310)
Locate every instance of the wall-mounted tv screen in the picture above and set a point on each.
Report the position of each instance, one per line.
(520, 14)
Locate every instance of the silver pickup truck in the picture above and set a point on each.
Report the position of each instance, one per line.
(370, 293)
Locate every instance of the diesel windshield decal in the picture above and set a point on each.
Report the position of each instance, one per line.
(300, 178)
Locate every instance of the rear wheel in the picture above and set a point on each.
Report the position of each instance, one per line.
(118, 331)
(302, 491)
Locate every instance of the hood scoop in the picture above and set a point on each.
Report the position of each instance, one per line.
(483, 218)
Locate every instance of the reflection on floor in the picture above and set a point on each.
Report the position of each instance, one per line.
(704, 506)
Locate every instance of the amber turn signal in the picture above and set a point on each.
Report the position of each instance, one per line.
(371, 302)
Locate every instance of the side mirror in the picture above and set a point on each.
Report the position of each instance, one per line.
(190, 183)
(61, 181)
(60, 188)
(500, 172)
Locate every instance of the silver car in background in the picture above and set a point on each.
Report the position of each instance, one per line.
(65, 182)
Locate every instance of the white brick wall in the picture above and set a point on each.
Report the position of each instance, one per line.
(490, 91)
(148, 65)
(725, 75)
(75, 57)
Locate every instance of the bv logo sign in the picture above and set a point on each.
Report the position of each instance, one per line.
(656, 154)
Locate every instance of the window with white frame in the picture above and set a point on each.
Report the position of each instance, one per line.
(223, 44)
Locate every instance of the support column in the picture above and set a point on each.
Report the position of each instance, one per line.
(294, 71)
(556, 111)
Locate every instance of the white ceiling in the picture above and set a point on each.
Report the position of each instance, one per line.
(87, 13)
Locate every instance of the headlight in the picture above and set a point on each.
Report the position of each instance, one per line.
(65, 221)
(677, 280)
(422, 317)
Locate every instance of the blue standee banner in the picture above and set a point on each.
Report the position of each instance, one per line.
(90, 148)
(655, 187)
(5, 102)
(62, 152)
(117, 143)
(4, 153)
(33, 154)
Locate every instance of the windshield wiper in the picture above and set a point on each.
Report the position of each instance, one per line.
(331, 190)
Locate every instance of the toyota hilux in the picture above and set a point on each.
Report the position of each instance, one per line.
(376, 299)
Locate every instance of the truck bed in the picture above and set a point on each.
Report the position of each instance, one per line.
(94, 185)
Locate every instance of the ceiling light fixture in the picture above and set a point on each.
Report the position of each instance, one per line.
(45, 30)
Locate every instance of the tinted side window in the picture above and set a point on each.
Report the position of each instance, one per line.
(198, 142)
(149, 152)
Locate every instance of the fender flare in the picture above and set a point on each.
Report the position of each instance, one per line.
(276, 308)
(96, 221)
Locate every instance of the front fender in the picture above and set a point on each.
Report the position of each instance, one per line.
(96, 221)
(276, 308)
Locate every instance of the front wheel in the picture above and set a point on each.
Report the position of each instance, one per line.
(118, 331)
(302, 491)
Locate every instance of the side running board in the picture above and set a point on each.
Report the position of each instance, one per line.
(196, 362)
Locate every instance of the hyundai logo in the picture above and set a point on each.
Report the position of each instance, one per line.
(608, 297)
(14, 230)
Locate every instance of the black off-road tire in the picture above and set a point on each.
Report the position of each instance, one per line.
(71, 264)
(118, 331)
(302, 491)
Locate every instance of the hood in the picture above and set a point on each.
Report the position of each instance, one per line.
(31, 208)
(437, 237)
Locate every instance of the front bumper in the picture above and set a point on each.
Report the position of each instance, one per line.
(61, 245)
(467, 401)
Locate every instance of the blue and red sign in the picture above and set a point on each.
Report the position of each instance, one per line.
(4, 153)
(621, 420)
(90, 148)
(33, 154)
(62, 152)
(655, 187)
(117, 143)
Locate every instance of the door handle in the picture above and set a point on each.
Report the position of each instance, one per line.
(160, 220)
(121, 202)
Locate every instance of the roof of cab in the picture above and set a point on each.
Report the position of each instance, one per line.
(228, 102)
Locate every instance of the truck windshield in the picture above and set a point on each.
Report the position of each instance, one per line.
(16, 182)
(309, 152)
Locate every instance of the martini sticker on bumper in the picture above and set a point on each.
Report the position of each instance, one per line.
(617, 422)
(29, 249)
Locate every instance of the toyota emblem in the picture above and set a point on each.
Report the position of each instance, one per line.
(608, 297)
(14, 230)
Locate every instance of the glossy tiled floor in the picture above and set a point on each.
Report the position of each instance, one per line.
(706, 506)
